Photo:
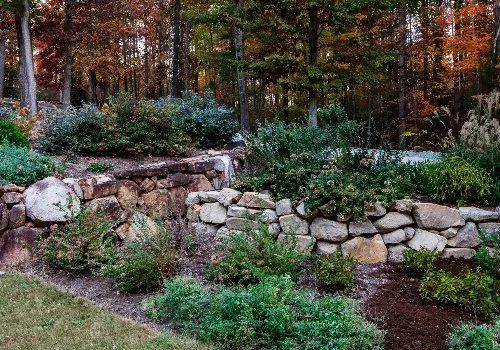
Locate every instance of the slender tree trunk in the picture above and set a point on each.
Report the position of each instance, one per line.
(175, 60)
(187, 55)
(26, 69)
(242, 84)
(496, 43)
(402, 74)
(313, 62)
(68, 51)
(3, 40)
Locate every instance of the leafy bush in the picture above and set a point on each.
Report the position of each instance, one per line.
(99, 167)
(269, 315)
(474, 290)
(249, 257)
(22, 166)
(348, 189)
(141, 266)
(488, 256)
(9, 133)
(84, 242)
(81, 131)
(334, 272)
(419, 261)
(458, 181)
(331, 115)
(208, 124)
(468, 336)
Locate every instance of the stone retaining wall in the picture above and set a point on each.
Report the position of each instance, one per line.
(198, 191)
(381, 237)
(124, 197)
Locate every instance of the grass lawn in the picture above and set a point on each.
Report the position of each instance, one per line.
(36, 316)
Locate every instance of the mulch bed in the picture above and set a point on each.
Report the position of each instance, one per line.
(411, 322)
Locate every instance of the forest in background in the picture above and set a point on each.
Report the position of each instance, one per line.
(390, 64)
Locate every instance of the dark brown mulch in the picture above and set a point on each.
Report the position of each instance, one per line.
(411, 322)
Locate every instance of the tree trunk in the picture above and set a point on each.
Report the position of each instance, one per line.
(187, 55)
(402, 76)
(313, 62)
(242, 84)
(175, 60)
(496, 43)
(68, 51)
(3, 40)
(27, 81)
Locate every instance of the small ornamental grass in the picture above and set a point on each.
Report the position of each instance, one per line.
(268, 315)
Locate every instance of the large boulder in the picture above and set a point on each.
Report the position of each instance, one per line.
(284, 207)
(108, 207)
(293, 224)
(176, 201)
(17, 216)
(397, 236)
(392, 221)
(256, 200)
(395, 253)
(16, 246)
(213, 213)
(458, 253)
(302, 243)
(478, 215)
(4, 217)
(50, 201)
(199, 183)
(365, 227)
(366, 250)
(466, 237)
(329, 230)
(127, 194)
(228, 196)
(430, 216)
(326, 248)
(306, 213)
(377, 210)
(155, 203)
(242, 212)
(425, 239)
(98, 187)
(241, 224)
(175, 180)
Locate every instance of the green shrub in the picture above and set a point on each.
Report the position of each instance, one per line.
(99, 167)
(331, 115)
(419, 261)
(208, 124)
(81, 131)
(489, 258)
(335, 272)
(474, 290)
(85, 242)
(248, 257)
(9, 133)
(269, 315)
(22, 166)
(348, 189)
(458, 181)
(142, 265)
(468, 336)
